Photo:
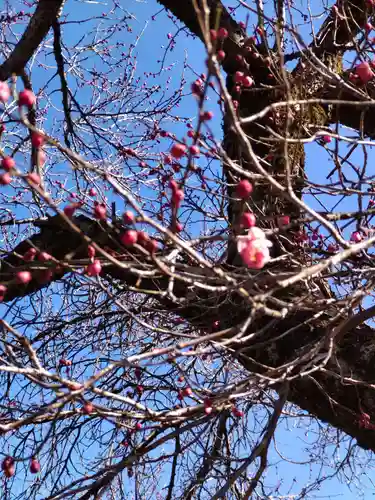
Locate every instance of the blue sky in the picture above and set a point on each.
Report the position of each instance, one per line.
(293, 441)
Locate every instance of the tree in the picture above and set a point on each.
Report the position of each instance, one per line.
(135, 344)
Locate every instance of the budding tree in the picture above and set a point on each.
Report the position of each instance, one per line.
(178, 303)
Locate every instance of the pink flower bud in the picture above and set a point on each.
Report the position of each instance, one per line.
(8, 163)
(34, 466)
(65, 362)
(247, 81)
(236, 412)
(206, 116)
(220, 55)
(5, 179)
(4, 92)
(178, 150)
(173, 185)
(129, 238)
(26, 98)
(283, 220)
(167, 159)
(216, 325)
(37, 140)
(151, 245)
(87, 408)
(7, 465)
(100, 211)
(8, 461)
(207, 402)
(128, 217)
(244, 189)
(248, 220)
(177, 197)
(44, 257)
(222, 34)
(187, 391)
(238, 76)
(94, 268)
(356, 237)
(143, 238)
(23, 277)
(197, 87)
(3, 290)
(91, 252)
(70, 209)
(9, 471)
(213, 35)
(194, 150)
(364, 72)
(74, 386)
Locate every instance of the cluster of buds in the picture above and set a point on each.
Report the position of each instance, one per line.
(364, 422)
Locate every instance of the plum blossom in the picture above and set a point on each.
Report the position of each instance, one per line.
(364, 72)
(356, 237)
(254, 248)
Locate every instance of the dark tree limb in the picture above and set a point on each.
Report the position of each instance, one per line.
(46, 12)
(337, 35)
(209, 458)
(335, 393)
(177, 452)
(359, 118)
(57, 51)
(185, 13)
(341, 26)
(260, 450)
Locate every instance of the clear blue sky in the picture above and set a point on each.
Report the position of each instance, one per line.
(294, 443)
